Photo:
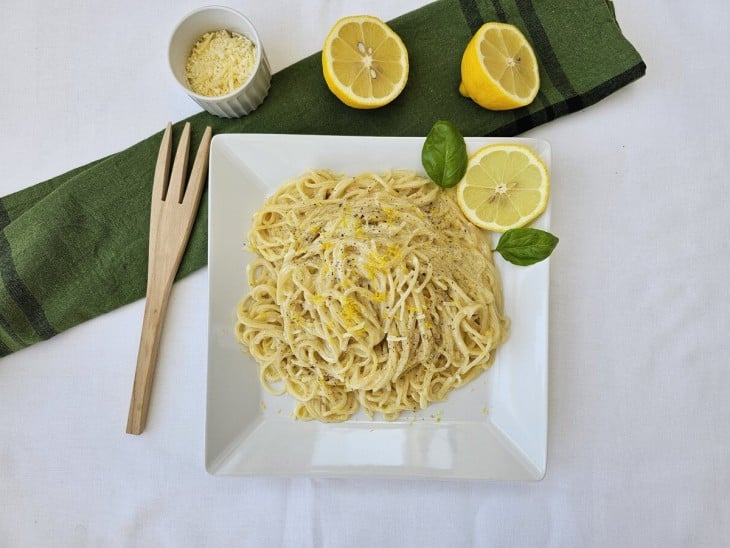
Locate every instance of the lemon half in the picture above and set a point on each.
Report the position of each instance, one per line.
(505, 186)
(499, 69)
(365, 63)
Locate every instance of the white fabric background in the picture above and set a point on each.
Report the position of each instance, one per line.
(639, 443)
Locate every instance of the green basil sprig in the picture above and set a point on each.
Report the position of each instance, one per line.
(525, 246)
(444, 154)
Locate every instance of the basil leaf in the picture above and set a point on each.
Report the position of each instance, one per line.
(526, 246)
(444, 154)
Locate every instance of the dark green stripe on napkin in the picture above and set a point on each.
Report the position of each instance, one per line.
(472, 16)
(75, 246)
(15, 289)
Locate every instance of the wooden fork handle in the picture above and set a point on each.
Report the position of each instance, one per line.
(149, 345)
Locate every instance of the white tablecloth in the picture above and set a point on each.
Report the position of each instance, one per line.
(639, 444)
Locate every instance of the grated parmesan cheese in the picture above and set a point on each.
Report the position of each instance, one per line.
(219, 63)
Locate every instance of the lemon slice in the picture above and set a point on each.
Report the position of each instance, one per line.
(365, 63)
(499, 69)
(505, 186)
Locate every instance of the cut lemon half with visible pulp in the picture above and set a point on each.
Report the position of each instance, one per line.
(498, 69)
(365, 63)
(505, 186)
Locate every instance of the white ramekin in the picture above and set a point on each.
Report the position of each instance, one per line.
(211, 18)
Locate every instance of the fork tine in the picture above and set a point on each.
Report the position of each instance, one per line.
(199, 170)
(180, 166)
(162, 168)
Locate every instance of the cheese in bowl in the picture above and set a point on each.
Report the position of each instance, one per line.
(218, 59)
(220, 62)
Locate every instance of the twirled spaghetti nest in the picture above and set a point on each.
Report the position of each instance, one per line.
(370, 291)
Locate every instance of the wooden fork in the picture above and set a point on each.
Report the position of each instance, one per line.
(174, 207)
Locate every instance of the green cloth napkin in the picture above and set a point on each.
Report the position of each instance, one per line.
(75, 246)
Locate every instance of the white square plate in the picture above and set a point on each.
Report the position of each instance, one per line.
(493, 428)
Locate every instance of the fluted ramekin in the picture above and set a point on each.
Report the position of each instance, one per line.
(252, 93)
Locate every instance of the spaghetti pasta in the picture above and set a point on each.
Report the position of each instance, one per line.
(369, 292)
